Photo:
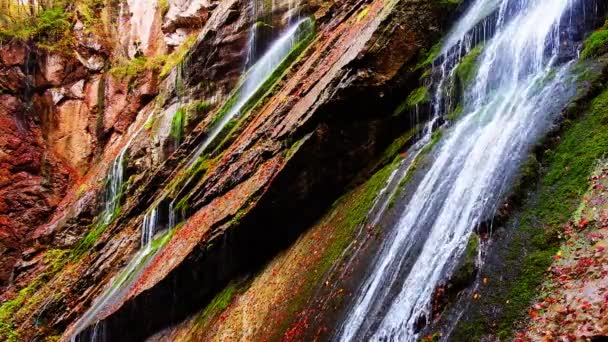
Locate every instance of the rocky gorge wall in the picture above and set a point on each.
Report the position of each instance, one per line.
(265, 215)
(289, 159)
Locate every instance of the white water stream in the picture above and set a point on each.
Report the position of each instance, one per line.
(508, 106)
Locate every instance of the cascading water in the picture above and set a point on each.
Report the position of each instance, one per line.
(89, 328)
(112, 199)
(115, 180)
(509, 105)
(254, 81)
(255, 78)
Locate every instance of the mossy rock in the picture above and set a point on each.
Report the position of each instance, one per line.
(596, 44)
(467, 68)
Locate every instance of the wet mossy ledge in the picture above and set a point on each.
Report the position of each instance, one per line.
(596, 44)
(552, 184)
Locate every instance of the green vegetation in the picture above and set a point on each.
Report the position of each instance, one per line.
(363, 13)
(420, 159)
(89, 240)
(89, 12)
(596, 44)
(455, 113)
(54, 260)
(164, 7)
(536, 241)
(156, 244)
(429, 56)
(345, 217)
(177, 124)
(467, 267)
(47, 24)
(203, 107)
(418, 96)
(221, 302)
(229, 131)
(135, 67)
(177, 56)
(467, 68)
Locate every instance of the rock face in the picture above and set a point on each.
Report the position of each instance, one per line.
(33, 178)
(281, 166)
(131, 106)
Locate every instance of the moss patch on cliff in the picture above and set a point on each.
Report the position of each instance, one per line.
(535, 242)
(596, 44)
(177, 124)
(22, 303)
(417, 97)
(467, 68)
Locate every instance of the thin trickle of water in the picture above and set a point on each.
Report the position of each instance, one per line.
(114, 183)
(255, 78)
(509, 105)
(149, 227)
(112, 198)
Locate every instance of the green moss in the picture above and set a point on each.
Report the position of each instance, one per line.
(151, 122)
(155, 246)
(203, 107)
(467, 68)
(415, 166)
(229, 131)
(88, 241)
(429, 56)
(89, 13)
(396, 146)
(418, 96)
(177, 56)
(363, 13)
(535, 242)
(468, 265)
(596, 44)
(345, 216)
(261, 23)
(455, 113)
(163, 5)
(27, 298)
(220, 302)
(135, 67)
(177, 124)
(182, 206)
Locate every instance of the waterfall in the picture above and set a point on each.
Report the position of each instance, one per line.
(112, 199)
(509, 105)
(255, 78)
(85, 329)
(149, 227)
(114, 182)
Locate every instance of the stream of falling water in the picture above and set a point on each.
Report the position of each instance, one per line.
(509, 105)
(255, 78)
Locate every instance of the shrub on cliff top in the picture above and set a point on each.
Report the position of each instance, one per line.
(48, 23)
